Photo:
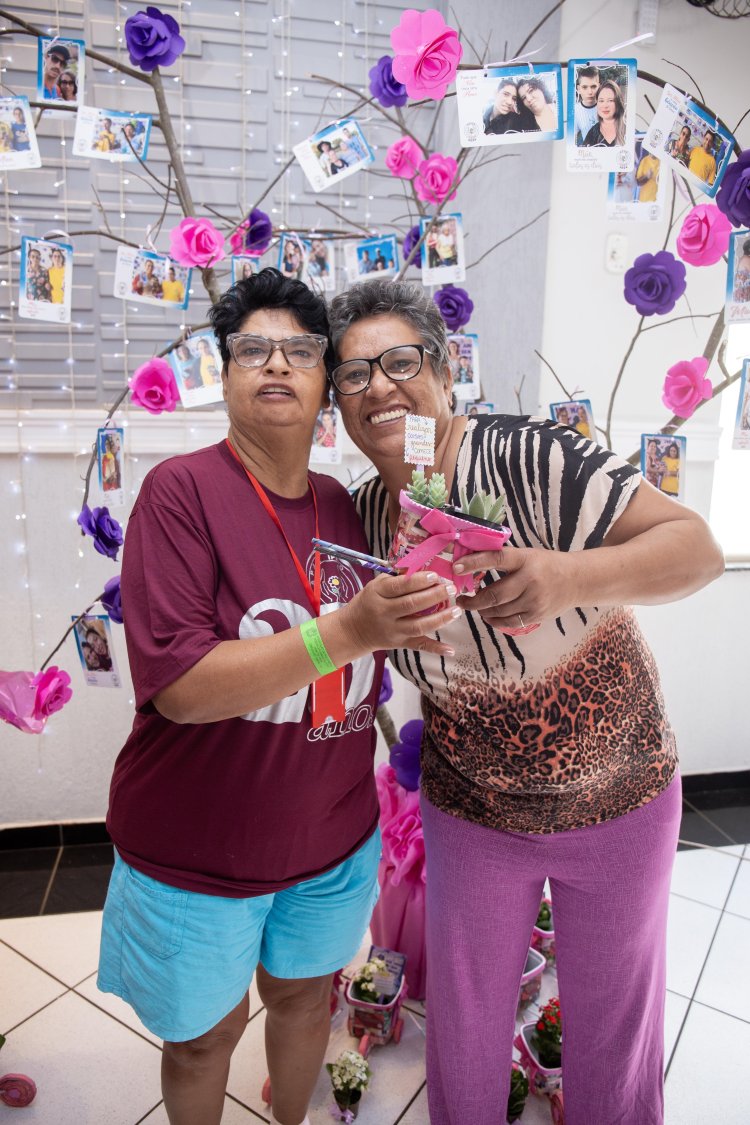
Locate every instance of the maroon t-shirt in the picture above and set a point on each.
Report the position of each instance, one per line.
(250, 805)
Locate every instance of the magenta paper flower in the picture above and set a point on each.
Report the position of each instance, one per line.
(704, 235)
(403, 158)
(153, 387)
(435, 178)
(686, 387)
(733, 197)
(654, 283)
(27, 700)
(52, 691)
(103, 528)
(153, 39)
(253, 235)
(196, 242)
(427, 53)
(456, 306)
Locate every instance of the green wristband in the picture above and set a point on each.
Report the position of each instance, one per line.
(316, 650)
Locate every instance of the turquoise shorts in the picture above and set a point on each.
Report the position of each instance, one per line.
(184, 960)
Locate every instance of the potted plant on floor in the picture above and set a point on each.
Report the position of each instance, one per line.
(350, 1076)
(543, 935)
(519, 1091)
(540, 1045)
(531, 980)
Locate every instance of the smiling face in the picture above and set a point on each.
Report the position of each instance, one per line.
(606, 104)
(57, 258)
(274, 394)
(54, 64)
(374, 418)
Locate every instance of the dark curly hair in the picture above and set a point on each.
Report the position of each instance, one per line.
(268, 289)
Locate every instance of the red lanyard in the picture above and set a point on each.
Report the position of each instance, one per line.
(313, 592)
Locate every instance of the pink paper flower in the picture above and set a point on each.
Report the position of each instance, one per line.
(685, 386)
(427, 53)
(436, 176)
(27, 701)
(196, 242)
(704, 236)
(52, 691)
(153, 387)
(403, 157)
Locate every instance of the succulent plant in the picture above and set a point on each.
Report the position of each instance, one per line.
(430, 493)
(483, 506)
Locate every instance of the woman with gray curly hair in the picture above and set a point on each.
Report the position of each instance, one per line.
(546, 751)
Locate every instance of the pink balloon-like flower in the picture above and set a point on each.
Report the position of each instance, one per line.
(403, 157)
(435, 178)
(153, 387)
(52, 691)
(196, 242)
(704, 235)
(427, 53)
(686, 387)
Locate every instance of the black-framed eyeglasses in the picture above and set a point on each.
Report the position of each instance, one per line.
(399, 364)
(254, 351)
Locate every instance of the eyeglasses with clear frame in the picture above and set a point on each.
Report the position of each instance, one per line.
(398, 364)
(255, 351)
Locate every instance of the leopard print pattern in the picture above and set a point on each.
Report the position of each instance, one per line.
(587, 743)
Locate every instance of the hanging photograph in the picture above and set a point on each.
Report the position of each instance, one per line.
(663, 463)
(93, 635)
(577, 414)
(334, 153)
(196, 364)
(109, 446)
(741, 436)
(737, 308)
(46, 280)
(690, 139)
(443, 254)
(109, 134)
(321, 265)
(372, 257)
(141, 275)
(638, 196)
(243, 266)
(327, 445)
(509, 105)
(60, 70)
(463, 359)
(601, 115)
(474, 408)
(18, 143)
(293, 254)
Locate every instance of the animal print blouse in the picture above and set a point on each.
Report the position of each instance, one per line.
(563, 727)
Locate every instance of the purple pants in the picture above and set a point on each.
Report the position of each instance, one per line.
(610, 890)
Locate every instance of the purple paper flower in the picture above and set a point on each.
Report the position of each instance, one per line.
(153, 39)
(111, 599)
(386, 688)
(404, 756)
(456, 306)
(103, 529)
(654, 283)
(384, 86)
(253, 236)
(733, 197)
(410, 242)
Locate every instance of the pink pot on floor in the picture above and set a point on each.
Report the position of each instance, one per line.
(531, 980)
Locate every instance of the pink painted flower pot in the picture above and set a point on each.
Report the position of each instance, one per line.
(544, 1080)
(531, 980)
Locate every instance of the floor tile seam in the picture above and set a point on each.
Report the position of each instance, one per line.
(51, 879)
(41, 968)
(407, 1107)
(721, 831)
(697, 901)
(734, 914)
(249, 1108)
(148, 1112)
(720, 849)
(700, 976)
(37, 1011)
(117, 1019)
(720, 1011)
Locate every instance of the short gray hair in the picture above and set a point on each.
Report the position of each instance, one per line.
(384, 297)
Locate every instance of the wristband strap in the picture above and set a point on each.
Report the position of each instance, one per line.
(316, 650)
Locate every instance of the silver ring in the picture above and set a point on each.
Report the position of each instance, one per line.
(518, 615)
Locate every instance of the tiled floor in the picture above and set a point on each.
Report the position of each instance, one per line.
(93, 1061)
